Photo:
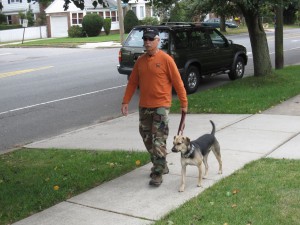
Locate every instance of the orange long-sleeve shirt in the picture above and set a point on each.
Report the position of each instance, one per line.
(155, 75)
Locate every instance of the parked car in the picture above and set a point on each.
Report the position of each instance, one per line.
(216, 23)
(197, 50)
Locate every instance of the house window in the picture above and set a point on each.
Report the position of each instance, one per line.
(134, 9)
(101, 14)
(107, 14)
(77, 18)
(9, 19)
(142, 15)
(14, 1)
(114, 16)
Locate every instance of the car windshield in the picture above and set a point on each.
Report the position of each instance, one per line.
(135, 39)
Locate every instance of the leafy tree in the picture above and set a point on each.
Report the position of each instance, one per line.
(223, 10)
(30, 16)
(178, 13)
(150, 21)
(163, 8)
(130, 20)
(251, 10)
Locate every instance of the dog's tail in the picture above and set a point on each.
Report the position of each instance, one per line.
(214, 128)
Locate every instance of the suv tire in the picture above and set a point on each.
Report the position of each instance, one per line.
(191, 79)
(238, 69)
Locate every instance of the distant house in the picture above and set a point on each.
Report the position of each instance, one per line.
(59, 21)
(11, 9)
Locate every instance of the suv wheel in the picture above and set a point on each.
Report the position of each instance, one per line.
(191, 79)
(238, 69)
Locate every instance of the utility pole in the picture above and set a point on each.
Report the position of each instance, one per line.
(121, 21)
(279, 59)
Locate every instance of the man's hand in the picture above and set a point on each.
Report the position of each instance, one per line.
(124, 109)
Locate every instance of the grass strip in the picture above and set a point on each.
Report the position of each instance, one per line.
(34, 179)
(249, 95)
(67, 42)
(264, 192)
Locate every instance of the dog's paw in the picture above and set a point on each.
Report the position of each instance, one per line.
(220, 172)
(199, 185)
(181, 189)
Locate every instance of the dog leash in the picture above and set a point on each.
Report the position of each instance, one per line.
(182, 123)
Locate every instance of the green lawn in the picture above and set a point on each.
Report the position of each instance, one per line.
(264, 192)
(248, 95)
(34, 179)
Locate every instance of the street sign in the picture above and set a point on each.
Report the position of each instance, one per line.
(25, 23)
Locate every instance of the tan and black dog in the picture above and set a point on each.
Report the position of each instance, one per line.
(195, 152)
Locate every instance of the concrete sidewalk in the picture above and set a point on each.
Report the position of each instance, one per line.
(130, 200)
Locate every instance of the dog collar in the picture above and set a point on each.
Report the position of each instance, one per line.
(190, 152)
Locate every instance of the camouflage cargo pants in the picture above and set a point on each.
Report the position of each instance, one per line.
(154, 129)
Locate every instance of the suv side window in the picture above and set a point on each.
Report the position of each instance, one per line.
(181, 40)
(217, 39)
(198, 40)
(164, 40)
(135, 39)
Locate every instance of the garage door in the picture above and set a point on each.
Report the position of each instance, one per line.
(59, 26)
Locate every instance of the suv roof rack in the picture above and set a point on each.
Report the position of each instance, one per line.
(192, 24)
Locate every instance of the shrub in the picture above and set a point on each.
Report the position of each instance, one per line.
(75, 31)
(2, 18)
(130, 20)
(107, 25)
(92, 24)
(150, 21)
(10, 27)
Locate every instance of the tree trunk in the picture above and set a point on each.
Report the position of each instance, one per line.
(260, 50)
(121, 21)
(222, 23)
(279, 59)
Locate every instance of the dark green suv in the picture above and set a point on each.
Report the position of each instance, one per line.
(198, 51)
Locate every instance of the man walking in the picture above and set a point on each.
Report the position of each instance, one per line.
(155, 73)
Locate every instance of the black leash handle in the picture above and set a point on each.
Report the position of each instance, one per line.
(182, 123)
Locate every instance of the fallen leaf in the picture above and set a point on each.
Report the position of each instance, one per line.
(235, 191)
(137, 162)
(56, 188)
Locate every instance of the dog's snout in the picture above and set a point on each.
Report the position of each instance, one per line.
(174, 149)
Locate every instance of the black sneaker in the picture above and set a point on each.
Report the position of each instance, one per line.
(156, 180)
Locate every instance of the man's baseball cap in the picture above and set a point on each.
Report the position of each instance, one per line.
(150, 32)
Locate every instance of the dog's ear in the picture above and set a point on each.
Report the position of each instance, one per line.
(188, 140)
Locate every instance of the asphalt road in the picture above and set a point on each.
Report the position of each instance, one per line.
(48, 91)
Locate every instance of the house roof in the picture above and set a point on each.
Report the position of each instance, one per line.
(57, 6)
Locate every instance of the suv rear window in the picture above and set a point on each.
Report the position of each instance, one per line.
(135, 39)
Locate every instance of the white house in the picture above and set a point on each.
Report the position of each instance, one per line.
(11, 9)
(59, 21)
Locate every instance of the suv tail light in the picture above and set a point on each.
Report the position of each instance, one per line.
(120, 56)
